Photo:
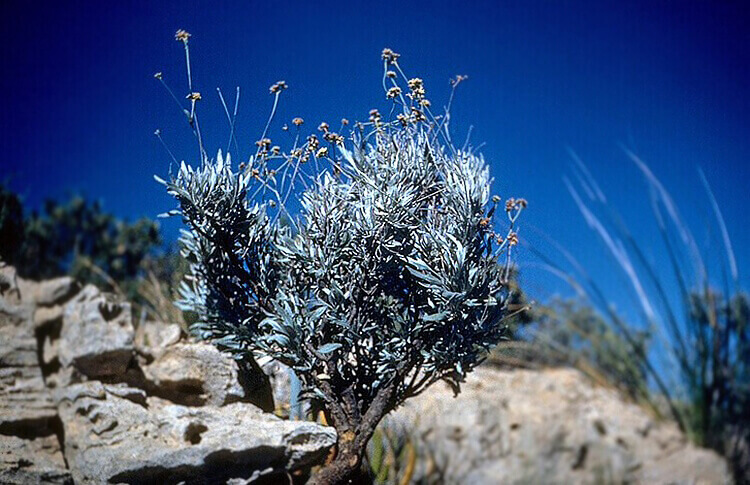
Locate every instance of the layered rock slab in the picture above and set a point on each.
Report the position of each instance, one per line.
(116, 434)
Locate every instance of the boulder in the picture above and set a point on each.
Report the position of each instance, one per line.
(116, 434)
(97, 334)
(194, 374)
(551, 426)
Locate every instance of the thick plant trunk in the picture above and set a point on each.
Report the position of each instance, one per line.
(353, 436)
(344, 469)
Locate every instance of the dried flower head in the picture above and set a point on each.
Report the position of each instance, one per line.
(297, 121)
(335, 138)
(389, 56)
(313, 142)
(278, 87)
(194, 96)
(374, 115)
(510, 204)
(323, 127)
(393, 93)
(417, 114)
(391, 74)
(426, 103)
(402, 119)
(322, 152)
(182, 35)
(416, 85)
(344, 121)
(158, 75)
(263, 143)
(513, 239)
(457, 80)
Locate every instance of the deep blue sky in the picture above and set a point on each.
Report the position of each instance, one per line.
(667, 79)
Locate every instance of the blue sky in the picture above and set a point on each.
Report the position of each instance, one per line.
(666, 79)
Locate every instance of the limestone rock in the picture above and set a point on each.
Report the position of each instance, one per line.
(551, 426)
(114, 435)
(29, 449)
(194, 373)
(33, 461)
(97, 334)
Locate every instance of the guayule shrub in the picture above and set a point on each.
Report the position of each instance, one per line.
(386, 279)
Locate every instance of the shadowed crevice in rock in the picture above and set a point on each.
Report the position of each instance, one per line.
(46, 335)
(256, 384)
(187, 392)
(580, 462)
(218, 468)
(29, 429)
(193, 433)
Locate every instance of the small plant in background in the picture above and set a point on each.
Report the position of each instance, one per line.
(390, 277)
(78, 238)
(12, 225)
(693, 353)
(570, 332)
(158, 286)
(397, 456)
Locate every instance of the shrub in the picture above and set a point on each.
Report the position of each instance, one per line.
(389, 279)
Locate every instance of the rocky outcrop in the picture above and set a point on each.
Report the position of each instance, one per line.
(84, 398)
(550, 426)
